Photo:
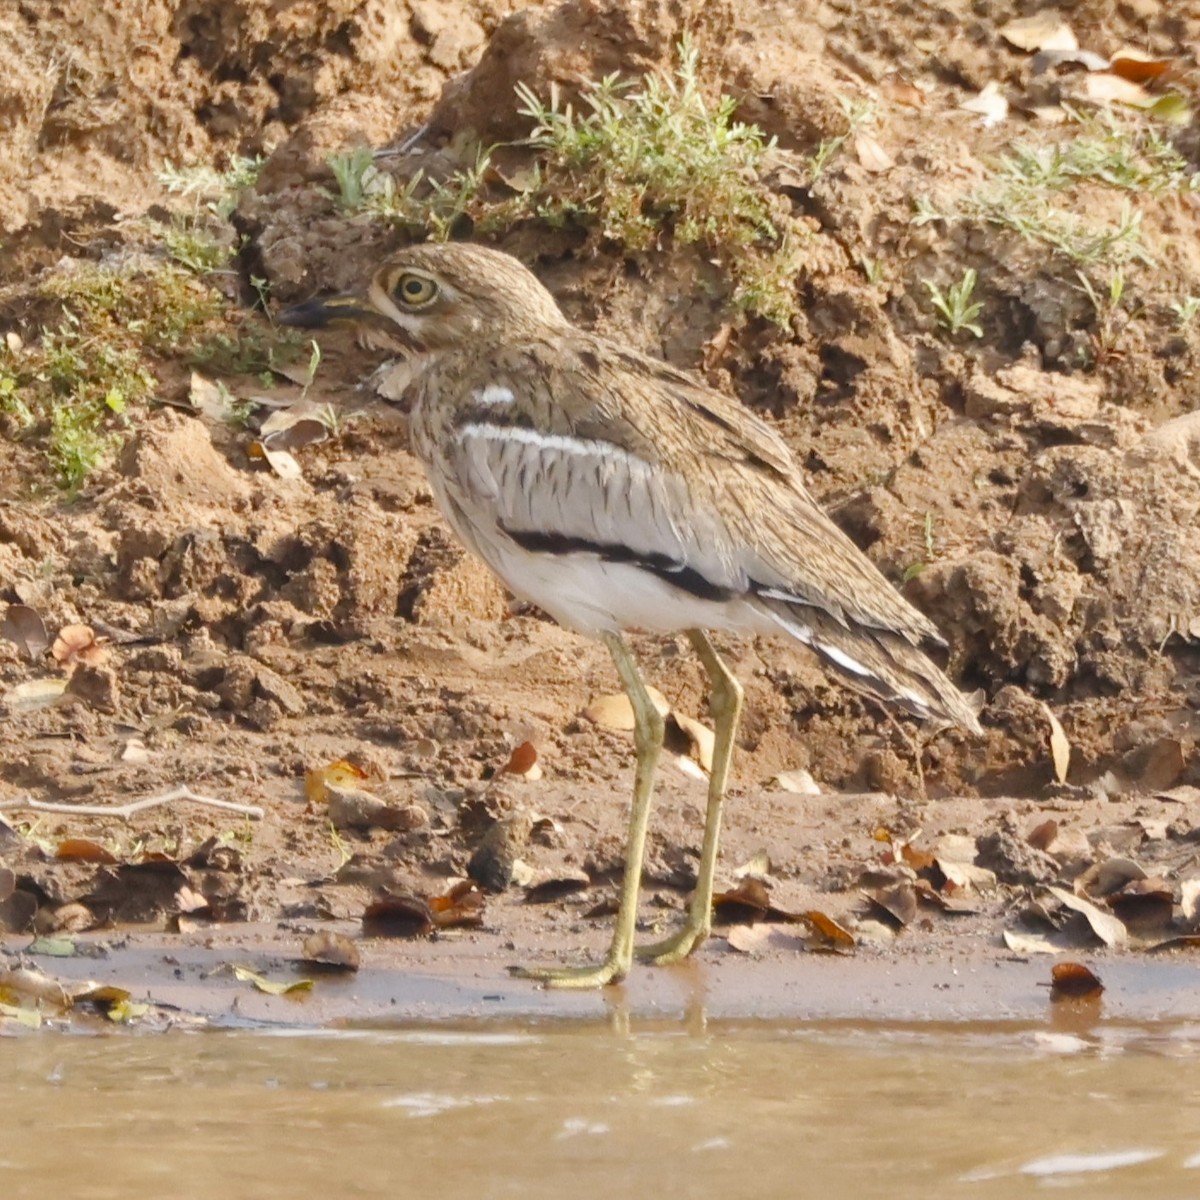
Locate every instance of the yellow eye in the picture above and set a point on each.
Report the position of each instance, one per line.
(415, 291)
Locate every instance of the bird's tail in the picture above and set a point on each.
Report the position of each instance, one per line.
(879, 661)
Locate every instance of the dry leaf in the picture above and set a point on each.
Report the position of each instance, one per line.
(78, 644)
(557, 886)
(1075, 981)
(745, 904)
(1045, 30)
(24, 628)
(272, 987)
(899, 902)
(294, 427)
(398, 916)
(1107, 88)
(1105, 926)
(990, 104)
(280, 461)
(83, 850)
(1060, 747)
(899, 90)
(799, 783)
(339, 774)
(1103, 878)
(1041, 837)
(334, 950)
(462, 905)
(826, 928)
(1138, 66)
(213, 400)
(701, 739)
(615, 712)
(1189, 900)
(35, 694)
(523, 762)
(1021, 942)
(871, 155)
(759, 866)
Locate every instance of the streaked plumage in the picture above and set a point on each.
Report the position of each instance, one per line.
(616, 492)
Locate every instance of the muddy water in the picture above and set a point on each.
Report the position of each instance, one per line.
(620, 1109)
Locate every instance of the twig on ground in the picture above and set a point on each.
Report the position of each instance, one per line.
(134, 806)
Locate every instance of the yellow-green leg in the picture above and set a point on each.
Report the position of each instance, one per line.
(725, 704)
(647, 739)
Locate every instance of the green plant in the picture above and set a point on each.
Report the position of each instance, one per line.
(858, 113)
(636, 162)
(1185, 310)
(955, 309)
(1110, 318)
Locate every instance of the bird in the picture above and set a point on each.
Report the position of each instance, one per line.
(616, 492)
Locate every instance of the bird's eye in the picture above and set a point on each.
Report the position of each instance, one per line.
(415, 291)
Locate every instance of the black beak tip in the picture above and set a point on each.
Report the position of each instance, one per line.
(323, 311)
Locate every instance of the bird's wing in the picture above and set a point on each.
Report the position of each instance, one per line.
(580, 445)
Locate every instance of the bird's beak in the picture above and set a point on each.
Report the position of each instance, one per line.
(322, 312)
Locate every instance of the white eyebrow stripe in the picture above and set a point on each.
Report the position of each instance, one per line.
(559, 442)
(494, 393)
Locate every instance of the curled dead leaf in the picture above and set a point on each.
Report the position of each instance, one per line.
(25, 629)
(1138, 66)
(898, 902)
(78, 644)
(1072, 980)
(404, 916)
(327, 949)
(339, 774)
(462, 905)
(871, 155)
(615, 712)
(1060, 747)
(1044, 30)
(83, 850)
(1105, 926)
(824, 927)
(523, 762)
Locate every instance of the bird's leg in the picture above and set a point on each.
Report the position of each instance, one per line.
(725, 704)
(647, 738)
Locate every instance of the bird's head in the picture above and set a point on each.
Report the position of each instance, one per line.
(437, 296)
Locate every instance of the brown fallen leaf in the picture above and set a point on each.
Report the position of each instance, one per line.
(83, 850)
(463, 905)
(899, 90)
(871, 155)
(294, 428)
(1105, 926)
(523, 762)
(272, 987)
(1041, 837)
(1138, 66)
(25, 629)
(897, 903)
(615, 712)
(557, 886)
(745, 904)
(1107, 876)
(1044, 30)
(755, 939)
(700, 740)
(78, 644)
(1144, 905)
(35, 694)
(400, 916)
(334, 950)
(1060, 747)
(339, 774)
(1103, 87)
(828, 930)
(1072, 980)
(280, 461)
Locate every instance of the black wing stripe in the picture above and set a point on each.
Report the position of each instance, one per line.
(678, 574)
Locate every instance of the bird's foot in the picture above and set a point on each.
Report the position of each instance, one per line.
(594, 975)
(675, 948)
